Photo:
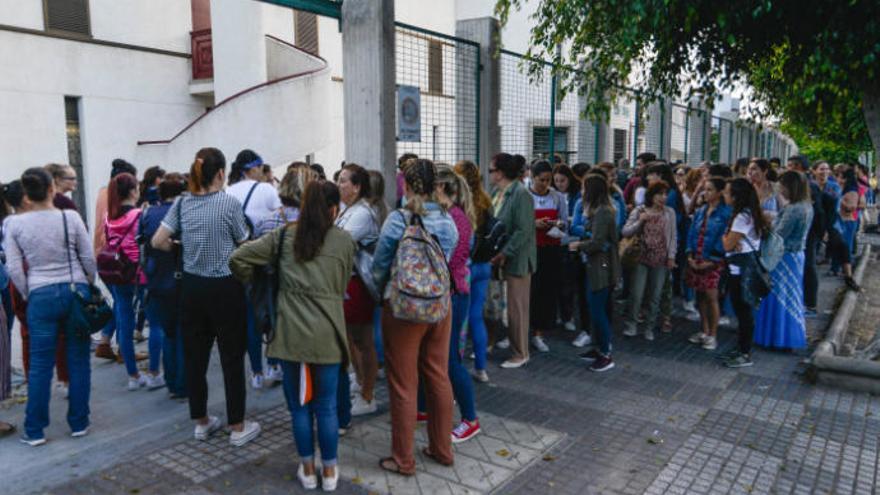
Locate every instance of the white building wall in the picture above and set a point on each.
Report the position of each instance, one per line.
(239, 47)
(136, 22)
(22, 13)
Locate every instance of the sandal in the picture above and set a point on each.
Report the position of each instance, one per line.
(6, 429)
(430, 455)
(390, 465)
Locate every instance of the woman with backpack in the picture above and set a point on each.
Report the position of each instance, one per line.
(654, 223)
(780, 322)
(315, 259)
(210, 225)
(597, 235)
(163, 296)
(49, 255)
(259, 201)
(486, 242)
(118, 267)
(742, 243)
(453, 195)
(415, 334)
(361, 222)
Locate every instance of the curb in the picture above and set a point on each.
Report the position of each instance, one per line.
(828, 368)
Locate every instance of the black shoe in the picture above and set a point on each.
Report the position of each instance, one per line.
(851, 284)
(603, 363)
(739, 361)
(591, 355)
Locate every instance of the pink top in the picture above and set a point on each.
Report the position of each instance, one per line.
(458, 263)
(126, 229)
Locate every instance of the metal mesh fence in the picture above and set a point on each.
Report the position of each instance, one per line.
(446, 71)
(529, 110)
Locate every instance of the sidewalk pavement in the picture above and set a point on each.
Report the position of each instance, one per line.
(668, 419)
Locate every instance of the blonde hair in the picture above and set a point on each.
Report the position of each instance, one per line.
(480, 199)
(456, 187)
(294, 183)
(419, 175)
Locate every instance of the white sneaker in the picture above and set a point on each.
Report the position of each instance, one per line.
(274, 374)
(697, 338)
(539, 344)
(480, 376)
(583, 339)
(630, 332)
(308, 482)
(202, 432)
(649, 335)
(257, 381)
(724, 321)
(689, 307)
(80, 433)
(710, 343)
(136, 383)
(692, 316)
(155, 382)
(354, 387)
(511, 364)
(360, 407)
(569, 325)
(329, 484)
(250, 431)
(503, 343)
(63, 389)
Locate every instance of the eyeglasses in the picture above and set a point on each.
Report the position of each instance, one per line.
(493, 170)
(69, 177)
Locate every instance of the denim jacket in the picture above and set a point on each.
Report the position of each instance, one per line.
(713, 248)
(437, 222)
(793, 225)
(578, 222)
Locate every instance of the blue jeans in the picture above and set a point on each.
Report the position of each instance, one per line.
(462, 385)
(46, 313)
(163, 313)
(110, 328)
(321, 409)
(377, 334)
(480, 275)
(123, 311)
(343, 398)
(255, 343)
(598, 304)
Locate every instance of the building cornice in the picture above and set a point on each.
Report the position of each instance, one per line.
(83, 39)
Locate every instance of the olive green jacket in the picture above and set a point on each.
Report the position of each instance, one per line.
(518, 216)
(310, 324)
(603, 262)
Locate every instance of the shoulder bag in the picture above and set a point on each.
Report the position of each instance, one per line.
(87, 313)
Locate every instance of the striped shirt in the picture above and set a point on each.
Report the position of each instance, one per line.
(213, 225)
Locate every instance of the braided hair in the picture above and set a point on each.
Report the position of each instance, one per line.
(419, 175)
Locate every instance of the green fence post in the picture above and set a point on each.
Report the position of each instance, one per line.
(596, 145)
(662, 127)
(687, 131)
(553, 83)
(636, 133)
(730, 146)
(703, 133)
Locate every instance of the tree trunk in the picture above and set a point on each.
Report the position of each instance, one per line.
(871, 109)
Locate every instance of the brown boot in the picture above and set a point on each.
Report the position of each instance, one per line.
(105, 351)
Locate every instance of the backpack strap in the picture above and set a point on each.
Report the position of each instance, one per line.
(247, 198)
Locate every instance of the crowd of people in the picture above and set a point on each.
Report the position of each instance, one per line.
(327, 289)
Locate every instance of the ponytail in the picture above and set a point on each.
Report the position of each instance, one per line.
(119, 190)
(315, 219)
(208, 163)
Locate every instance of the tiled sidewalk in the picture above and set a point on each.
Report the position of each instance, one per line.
(668, 419)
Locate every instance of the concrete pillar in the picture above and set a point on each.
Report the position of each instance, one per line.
(593, 138)
(238, 46)
(369, 87)
(485, 31)
(699, 134)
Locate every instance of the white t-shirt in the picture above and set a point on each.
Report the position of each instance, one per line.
(264, 201)
(744, 224)
(639, 197)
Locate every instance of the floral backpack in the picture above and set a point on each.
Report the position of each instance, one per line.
(420, 280)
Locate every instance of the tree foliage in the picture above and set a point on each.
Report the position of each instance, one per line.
(815, 63)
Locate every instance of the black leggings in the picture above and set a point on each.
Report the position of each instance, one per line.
(214, 308)
(744, 314)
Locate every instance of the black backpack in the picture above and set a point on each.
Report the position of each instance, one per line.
(489, 239)
(264, 292)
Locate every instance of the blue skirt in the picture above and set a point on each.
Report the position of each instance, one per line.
(780, 319)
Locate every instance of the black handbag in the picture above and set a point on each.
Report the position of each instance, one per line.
(88, 313)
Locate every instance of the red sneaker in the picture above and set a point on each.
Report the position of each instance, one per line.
(421, 417)
(465, 430)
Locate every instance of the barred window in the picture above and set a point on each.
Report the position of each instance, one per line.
(435, 67)
(306, 31)
(619, 144)
(71, 16)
